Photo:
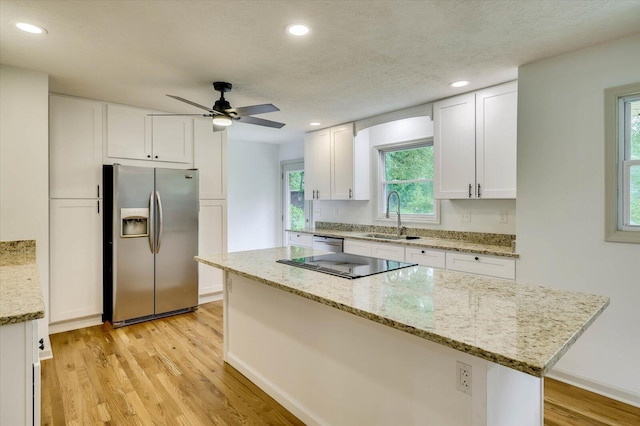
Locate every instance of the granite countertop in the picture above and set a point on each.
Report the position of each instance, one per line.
(20, 292)
(464, 242)
(523, 327)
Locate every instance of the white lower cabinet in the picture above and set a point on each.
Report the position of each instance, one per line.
(387, 251)
(212, 239)
(361, 248)
(76, 260)
(19, 374)
(494, 266)
(300, 240)
(425, 257)
(381, 251)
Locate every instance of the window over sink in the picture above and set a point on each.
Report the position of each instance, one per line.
(408, 169)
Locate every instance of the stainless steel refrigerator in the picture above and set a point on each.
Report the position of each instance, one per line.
(150, 239)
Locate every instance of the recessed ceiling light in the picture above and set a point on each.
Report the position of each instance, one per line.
(460, 83)
(298, 30)
(30, 28)
(315, 123)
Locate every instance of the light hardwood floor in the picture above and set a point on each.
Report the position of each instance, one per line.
(170, 371)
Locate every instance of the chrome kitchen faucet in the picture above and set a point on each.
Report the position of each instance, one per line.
(387, 214)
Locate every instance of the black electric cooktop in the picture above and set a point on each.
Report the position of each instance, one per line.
(346, 265)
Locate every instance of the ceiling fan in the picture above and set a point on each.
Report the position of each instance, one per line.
(223, 114)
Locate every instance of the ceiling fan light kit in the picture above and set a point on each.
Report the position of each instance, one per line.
(222, 120)
(223, 114)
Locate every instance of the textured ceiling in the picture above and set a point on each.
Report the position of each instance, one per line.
(362, 57)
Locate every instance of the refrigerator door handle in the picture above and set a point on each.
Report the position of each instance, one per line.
(152, 232)
(160, 220)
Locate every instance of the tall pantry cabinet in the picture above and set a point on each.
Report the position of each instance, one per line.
(75, 204)
(210, 150)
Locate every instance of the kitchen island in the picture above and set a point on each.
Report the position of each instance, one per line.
(388, 348)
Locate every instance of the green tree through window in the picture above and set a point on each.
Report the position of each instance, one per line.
(409, 170)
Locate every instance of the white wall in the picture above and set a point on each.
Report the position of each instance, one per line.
(292, 151)
(253, 188)
(560, 210)
(24, 166)
(484, 213)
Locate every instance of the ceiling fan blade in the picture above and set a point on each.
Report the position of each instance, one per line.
(260, 122)
(187, 101)
(193, 115)
(256, 109)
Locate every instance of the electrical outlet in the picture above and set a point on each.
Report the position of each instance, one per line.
(503, 216)
(463, 377)
(465, 216)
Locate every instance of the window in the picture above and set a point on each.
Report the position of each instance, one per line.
(295, 210)
(408, 169)
(622, 127)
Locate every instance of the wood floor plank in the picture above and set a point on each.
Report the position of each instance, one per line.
(171, 372)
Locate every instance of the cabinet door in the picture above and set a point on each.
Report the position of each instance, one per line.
(342, 171)
(454, 147)
(317, 163)
(20, 402)
(210, 159)
(361, 248)
(76, 259)
(387, 251)
(75, 148)
(212, 239)
(300, 240)
(496, 140)
(173, 139)
(128, 132)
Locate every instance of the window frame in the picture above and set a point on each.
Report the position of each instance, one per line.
(411, 218)
(618, 165)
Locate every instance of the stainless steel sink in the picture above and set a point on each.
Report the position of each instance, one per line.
(392, 237)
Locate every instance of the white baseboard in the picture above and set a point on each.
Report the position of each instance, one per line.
(75, 324)
(211, 297)
(622, 395)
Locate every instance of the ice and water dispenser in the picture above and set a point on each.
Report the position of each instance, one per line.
(135, 222)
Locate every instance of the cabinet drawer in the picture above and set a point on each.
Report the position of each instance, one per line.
(300, 240)
(483, 265)
(425, 257)
(387, 251)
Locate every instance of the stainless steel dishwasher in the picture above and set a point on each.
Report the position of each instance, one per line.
(328, 243)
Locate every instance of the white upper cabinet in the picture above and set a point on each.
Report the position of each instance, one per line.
(75, 147)
(317, 165)
(133, 134)
(475, 144)
(210, 158)
(496, 141)
(337, 164)
(172, 138)
(454, 147)
(128, 132)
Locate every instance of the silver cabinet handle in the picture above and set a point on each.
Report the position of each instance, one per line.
(318, 194)
(151, 220)
(350, 193)
(160, 225)
(479, 194)
(469, 190)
